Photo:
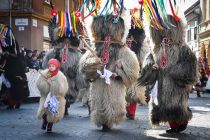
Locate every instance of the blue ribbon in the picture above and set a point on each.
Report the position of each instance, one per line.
(154, 5)
(83, 5)
(68, 28)
(105, 7)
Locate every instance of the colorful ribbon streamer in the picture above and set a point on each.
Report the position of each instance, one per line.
(155, 14)
(174, 15)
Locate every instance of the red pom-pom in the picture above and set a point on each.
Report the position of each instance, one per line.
(78, 14)
(141, 2)
(54, 12)
(135, 9)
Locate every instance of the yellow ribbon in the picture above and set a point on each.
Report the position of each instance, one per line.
(153, 14)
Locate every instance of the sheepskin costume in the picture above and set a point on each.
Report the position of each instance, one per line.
(108, 105)
(57, 85)
(175, 76)
(135, 92)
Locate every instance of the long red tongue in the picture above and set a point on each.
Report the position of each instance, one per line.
(64, 55)
(106, 52)
(163, 61)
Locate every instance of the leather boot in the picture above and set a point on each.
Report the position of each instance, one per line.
(44, 124)
(49, 127)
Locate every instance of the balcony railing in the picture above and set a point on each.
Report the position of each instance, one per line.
(16, 5)
(204, 28)
(22, 5)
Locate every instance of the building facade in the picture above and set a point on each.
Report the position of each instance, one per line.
(193, 17)
(204, 30)
(29, 20)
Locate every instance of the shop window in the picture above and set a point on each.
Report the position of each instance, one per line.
(45, 31)
(46, 45)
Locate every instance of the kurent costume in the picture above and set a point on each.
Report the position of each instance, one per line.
(135, 93)
(171, 68)
(119, 66)
(66, 51)
(53, 87)
(14, 70)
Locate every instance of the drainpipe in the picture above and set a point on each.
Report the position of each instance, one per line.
(10, 19)
(199, 21)
(67, 5)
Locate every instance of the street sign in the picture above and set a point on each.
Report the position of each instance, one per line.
(21, 22)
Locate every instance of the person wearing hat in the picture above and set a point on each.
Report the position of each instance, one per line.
(172, 68)
(135, 93)
(14, 72)
(111, 68)
(53, 86)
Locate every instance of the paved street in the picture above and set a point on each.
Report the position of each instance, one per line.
(23, 125)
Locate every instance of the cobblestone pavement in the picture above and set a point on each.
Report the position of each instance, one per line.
(22, 124)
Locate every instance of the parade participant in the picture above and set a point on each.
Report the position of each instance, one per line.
(136, 93)
(171, 68)
(202, 81)
(53, 87)
(65, 49)
(118, 64)
(28, 59)
(14, 70)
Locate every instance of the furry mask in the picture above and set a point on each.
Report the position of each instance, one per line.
(176, 33)
(137, 35)
(102, 26)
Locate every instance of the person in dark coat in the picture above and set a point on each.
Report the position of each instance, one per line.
(14, 72)
(28, 59)
(199, 87)
(35, 62)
